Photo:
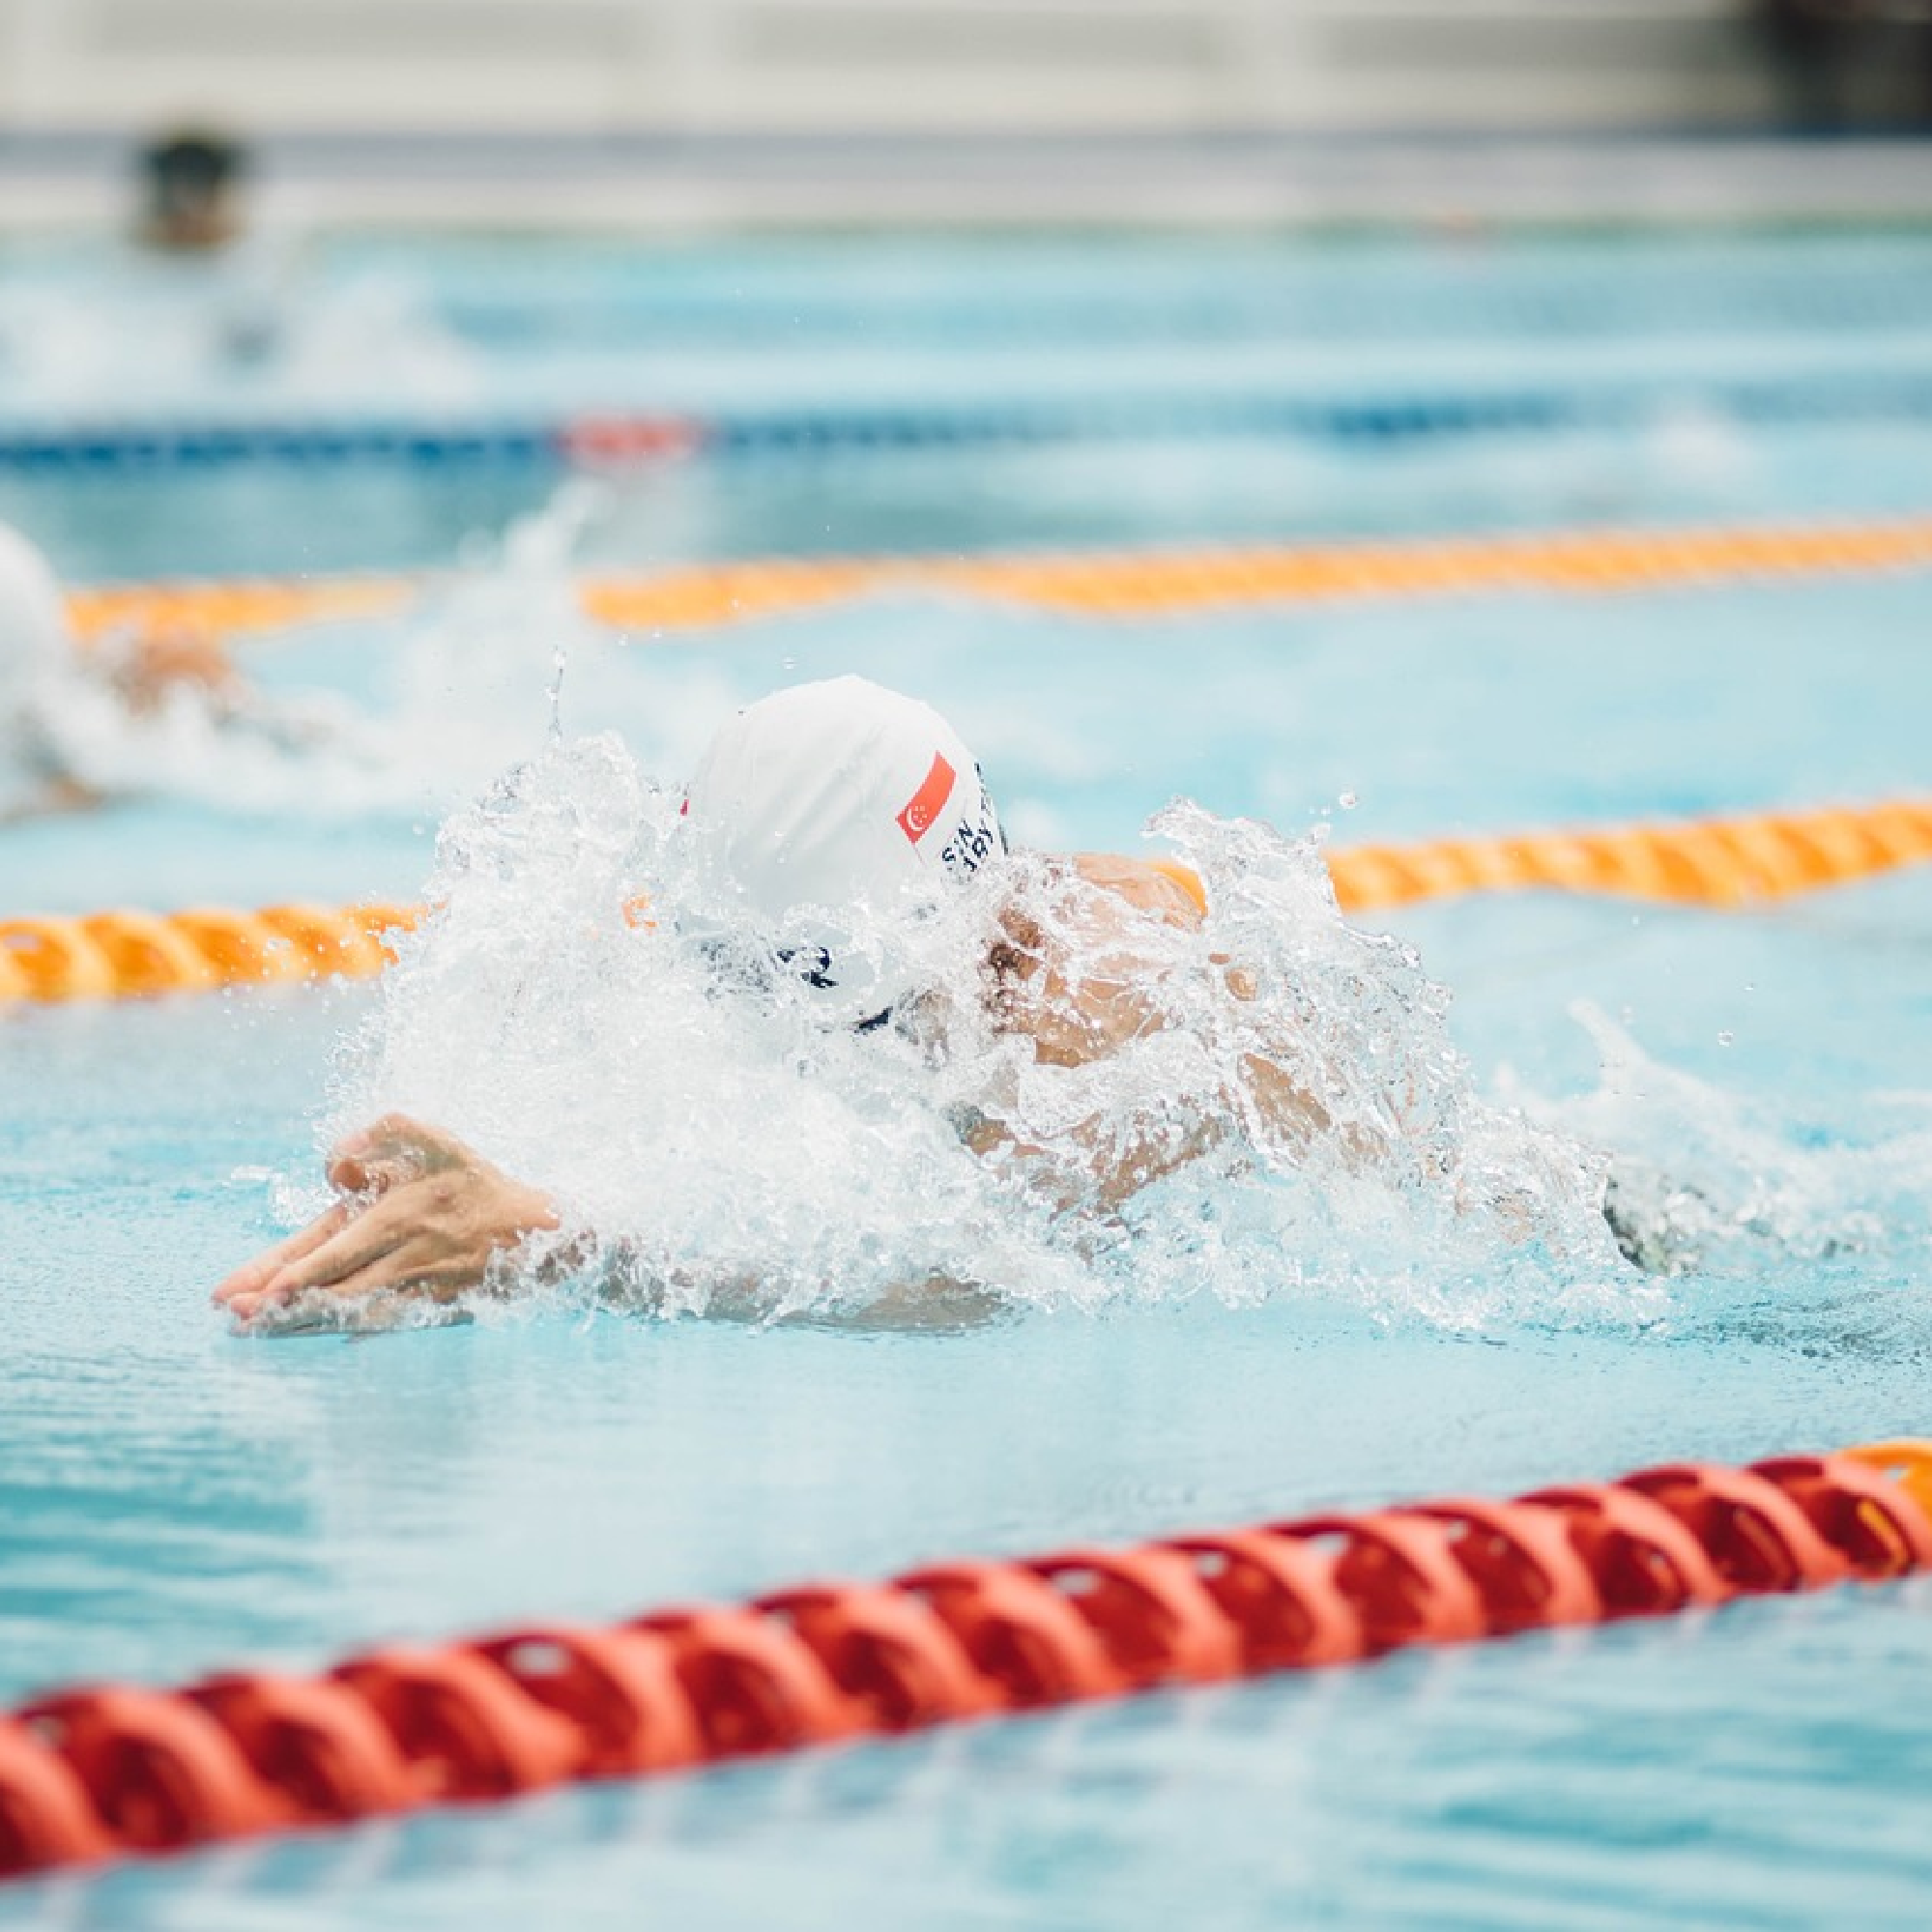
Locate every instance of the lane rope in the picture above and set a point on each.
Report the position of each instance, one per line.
(1100, 585)
(108, 1771)
(1395, 416)
(131, 955)
(1725, 862)
(1721, 863)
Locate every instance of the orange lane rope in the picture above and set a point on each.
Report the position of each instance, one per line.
(1100, 585)
(1720, 862)
(104, 1772)
(1716, 862)
(233, 608)
(132, 955)
(1169, 583)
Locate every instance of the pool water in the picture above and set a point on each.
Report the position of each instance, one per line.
(1691, 375)
(179, 1498)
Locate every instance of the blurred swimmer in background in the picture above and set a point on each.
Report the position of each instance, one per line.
(214, 300)
(208, 268)
(191, 192)
(81, 724)
(843, 847)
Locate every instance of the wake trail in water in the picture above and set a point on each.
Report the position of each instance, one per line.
(1721, 1184)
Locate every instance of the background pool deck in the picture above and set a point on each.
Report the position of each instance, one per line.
(641, 183)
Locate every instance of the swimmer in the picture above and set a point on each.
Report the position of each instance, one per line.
(191, 200)
(824, 796)
(59, 703)
(205, 270)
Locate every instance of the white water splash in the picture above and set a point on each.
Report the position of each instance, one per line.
(255, 329)
(1725, 1183)
(731, 1153)
(487, 643)
(309, 753)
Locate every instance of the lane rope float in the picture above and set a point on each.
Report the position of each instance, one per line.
(1100, 586)
(1389, 418)
(134, 955)
(235, 607)
(1723, 863)
(1158, 584)
(106, 1770)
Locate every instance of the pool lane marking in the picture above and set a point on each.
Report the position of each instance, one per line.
(625, 440)
(1731, 862)
(132, 955)
(1122, 585)
(105, 1771)
(1735, 862)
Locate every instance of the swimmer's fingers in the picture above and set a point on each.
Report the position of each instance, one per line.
(417, 1264)
(415, 1268)
(437, 1235)
(253, 1276)
(434, 1225)
(370, 1175)
(346, 1269)
(392, 1150)
(380, 1232)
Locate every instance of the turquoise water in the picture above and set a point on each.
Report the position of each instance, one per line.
(440, 332)
(177, 1498)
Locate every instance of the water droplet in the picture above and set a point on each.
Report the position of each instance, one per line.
(560, 659)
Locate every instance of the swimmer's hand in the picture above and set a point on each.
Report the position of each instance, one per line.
(420, 1214)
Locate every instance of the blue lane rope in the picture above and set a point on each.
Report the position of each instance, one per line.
(1384, 419)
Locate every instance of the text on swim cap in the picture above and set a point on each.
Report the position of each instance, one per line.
(971, 845)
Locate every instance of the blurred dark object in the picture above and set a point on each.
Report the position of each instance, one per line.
(1846, 64)
(194, 191)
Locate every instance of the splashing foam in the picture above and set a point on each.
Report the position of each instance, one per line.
(308, 755)
(485, 642)
(733, 1154)
(1720, 1183)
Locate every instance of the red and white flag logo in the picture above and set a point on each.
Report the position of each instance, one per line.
(926, 804)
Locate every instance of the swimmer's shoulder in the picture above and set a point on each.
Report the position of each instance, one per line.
(1157, 887)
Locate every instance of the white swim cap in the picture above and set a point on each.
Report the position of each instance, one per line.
(833, 813)
(32, 618)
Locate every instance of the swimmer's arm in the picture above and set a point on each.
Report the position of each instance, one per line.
(425, 1215)
(1076, 1017)
(1112, 1171)
(422, 1214)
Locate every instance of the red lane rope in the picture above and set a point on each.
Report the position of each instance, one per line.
(113, 1771)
